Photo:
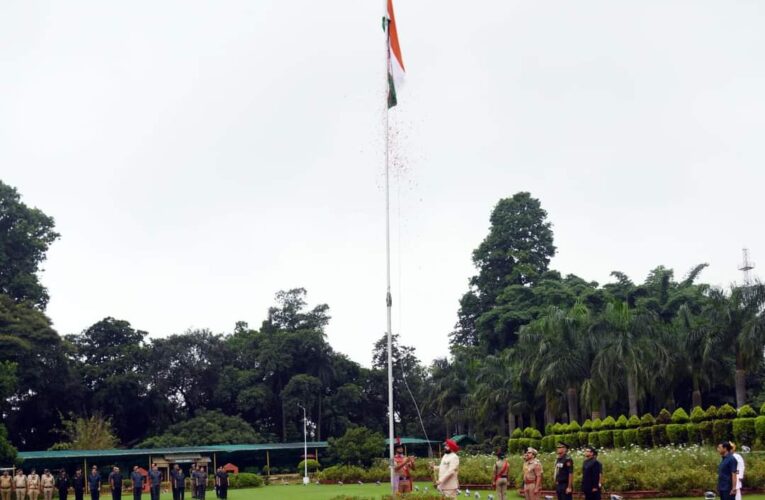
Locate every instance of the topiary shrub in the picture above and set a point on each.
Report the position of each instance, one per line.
(529, 432)
(762, 409)
(246, 480)
(549, 429)
(633, 422)
(606, 439)
(514, 446)
(647, 420)
(313, 465)
(594, 439)
(517, 433)
(583, 438)
(744, 431)
(645, 437)
(722, 430)
(572, 440)
(726, 411)
(608, 424)
(548, 444)
(558, 428)
(746, 411)
(694, 434)
(597, 425)
(707, 432)
(680, 417)
(664, 417)
(759, 428)
(621, 422)
(631, 438)
(619, 438)
(574, 427)
(697, 415)
(659, 432)
(711, 413)
(587, 425)
(677, 433)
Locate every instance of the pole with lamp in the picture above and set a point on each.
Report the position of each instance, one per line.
(305, 445)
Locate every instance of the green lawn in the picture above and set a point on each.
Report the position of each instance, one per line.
(326, 492)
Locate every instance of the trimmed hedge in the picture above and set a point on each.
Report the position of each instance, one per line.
(621, 422)
(697, 415)
(746, 411)
(633, 422)
(606, 438)
(664, 417)
(619, 438)
(677, 433)
(744, 431)
(659, 433)
(680, 417)
(608, 424)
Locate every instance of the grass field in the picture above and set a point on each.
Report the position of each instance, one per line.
(326, 492)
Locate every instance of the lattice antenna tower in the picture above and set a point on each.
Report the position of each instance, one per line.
(746, 267)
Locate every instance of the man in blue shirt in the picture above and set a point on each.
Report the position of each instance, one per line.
(155, 478)
(727, 472)
(94, 483)
(137, 480)
(178, 481)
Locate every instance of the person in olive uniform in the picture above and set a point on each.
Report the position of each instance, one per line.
(48, 484)
(137, 479)
(221, 481)
(6, 484)
(62, 484)
(564, 473)
(94, 483)
(592, 474)
(155, 480)
(33, 485)
(20, 484)
(115, 483)
(78, 484)
(177, 481)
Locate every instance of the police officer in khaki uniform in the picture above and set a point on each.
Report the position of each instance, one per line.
(33, 485)
(48, 483)
(20, 484)
(5, 485)
(532, 475)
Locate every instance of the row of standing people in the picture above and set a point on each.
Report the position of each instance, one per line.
(31, 486)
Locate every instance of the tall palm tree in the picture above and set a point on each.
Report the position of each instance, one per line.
(627, 347)
(561, 357)
(494, 389)
(738, 321)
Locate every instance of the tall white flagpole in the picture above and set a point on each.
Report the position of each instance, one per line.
(388, 297)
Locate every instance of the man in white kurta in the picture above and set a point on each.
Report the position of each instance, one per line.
(740, 469)
(448, 470)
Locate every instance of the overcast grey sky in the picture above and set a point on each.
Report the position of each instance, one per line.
(200, 156)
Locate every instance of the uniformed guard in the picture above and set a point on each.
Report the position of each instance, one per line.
(20, 484)
(177, 481)
(501, 469)
(137, 479)
(78, 484)
(48, 484)
(33, 485)
(221, 481)
(192, 480)
(94, 483)
(115, 483)
(6, 484)
(155, 480)
(448, 471)
(564, 473)
(62, 484)
(200, 482)
(532, 475)
(403, 466)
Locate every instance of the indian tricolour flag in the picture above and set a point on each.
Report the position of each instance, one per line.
(395, 62)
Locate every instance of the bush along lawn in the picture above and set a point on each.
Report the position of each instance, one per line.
(710, 426)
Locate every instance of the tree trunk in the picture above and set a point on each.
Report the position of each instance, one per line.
(318, 423)
(573, 406)
(521, 422)
(740, 387)
(632, 394)
(549, 416)
(603, 409)
(284, 425)
(510, 422)
(696, 394)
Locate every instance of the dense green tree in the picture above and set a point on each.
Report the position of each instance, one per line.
(87, 433)
(517, 251)
(7, 451)
(358, 446)
(25, 235)
(206, 428)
